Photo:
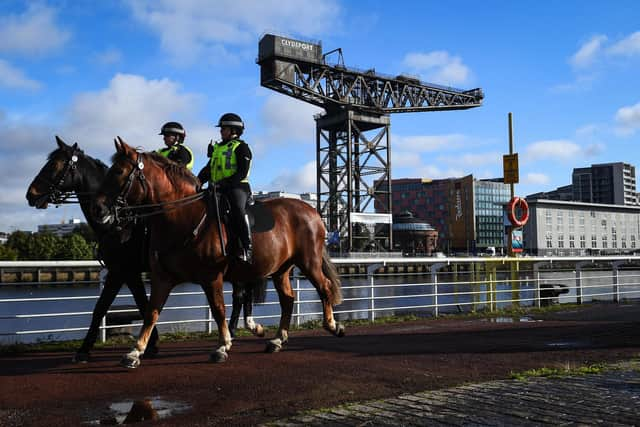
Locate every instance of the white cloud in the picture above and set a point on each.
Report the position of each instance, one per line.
(300, 181)
(556, 150)
(628, 46)
(537, 179)
(109, 57)
(404, 159)
(33, 32)
(628, 120)
(473, 160)
(426, 143)
(435, 172)
(582, 83)
(438, 67)
(588, 130)
(194, 29)
(131, 107)
(287, 120)
(588, 52)
(13, 78)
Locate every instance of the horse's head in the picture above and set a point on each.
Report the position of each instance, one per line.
(56, 177)
(125, 183)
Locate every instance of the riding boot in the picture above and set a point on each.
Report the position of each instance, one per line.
(245, 237)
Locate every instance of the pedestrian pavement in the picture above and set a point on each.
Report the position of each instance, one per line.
(611, 398)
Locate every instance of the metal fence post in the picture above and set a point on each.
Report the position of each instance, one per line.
(103, 323)
(536, 278)
(579, 266)
(210, 321)
(615, 270)
(296, 274)
(434, 280)
(372, 289)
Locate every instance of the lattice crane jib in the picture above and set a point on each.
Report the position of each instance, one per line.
(353, 151)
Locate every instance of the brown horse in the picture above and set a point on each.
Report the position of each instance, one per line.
(150, 182)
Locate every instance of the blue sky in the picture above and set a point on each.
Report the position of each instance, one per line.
(89, 71)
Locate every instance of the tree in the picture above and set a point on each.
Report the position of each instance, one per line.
(7, 253)
(86, 232)
(19, 241)
(43, 246)
(74, 247)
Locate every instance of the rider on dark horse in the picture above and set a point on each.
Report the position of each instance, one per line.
(229, 169)
(174, 135)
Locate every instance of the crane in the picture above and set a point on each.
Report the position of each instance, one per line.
(353, 151)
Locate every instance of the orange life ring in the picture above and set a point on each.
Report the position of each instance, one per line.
(515, 203)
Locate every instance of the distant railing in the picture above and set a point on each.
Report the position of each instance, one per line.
(372, 287)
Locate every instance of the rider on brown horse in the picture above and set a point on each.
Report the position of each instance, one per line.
(174, 134)
(229, 169)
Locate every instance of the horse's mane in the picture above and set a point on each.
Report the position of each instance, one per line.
(176, 173)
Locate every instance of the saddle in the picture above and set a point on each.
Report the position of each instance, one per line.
(260, 218)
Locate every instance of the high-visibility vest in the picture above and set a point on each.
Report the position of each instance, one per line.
(223, 162)
(166, 151)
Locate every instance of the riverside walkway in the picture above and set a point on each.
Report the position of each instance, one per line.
(609, 398)
(447, 371)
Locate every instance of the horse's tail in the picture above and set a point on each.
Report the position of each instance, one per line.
(330, 271)
(259, 290)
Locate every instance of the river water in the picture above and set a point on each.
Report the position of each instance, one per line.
(395, 295)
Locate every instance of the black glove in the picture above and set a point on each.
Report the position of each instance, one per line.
(210, 149)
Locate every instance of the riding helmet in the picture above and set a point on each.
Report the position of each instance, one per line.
(231, 120)
(173, 128)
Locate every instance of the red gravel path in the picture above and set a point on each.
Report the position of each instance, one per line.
(315, 370)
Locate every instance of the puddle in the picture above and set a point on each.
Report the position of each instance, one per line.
(133, 411)
(510, 320)
(567, 344)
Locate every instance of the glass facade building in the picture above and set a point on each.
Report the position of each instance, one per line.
(466, 212)
(490, 198)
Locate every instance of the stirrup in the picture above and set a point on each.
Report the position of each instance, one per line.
(247, 255)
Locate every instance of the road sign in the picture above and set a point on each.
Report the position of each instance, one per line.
(510, 168)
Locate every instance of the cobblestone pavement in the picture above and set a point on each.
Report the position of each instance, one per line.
(611, 398)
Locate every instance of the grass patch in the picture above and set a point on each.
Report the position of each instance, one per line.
(566, 371)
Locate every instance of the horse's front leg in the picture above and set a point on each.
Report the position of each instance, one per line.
(112, 285)
(160, 289)
(214, 291)
(139, 293)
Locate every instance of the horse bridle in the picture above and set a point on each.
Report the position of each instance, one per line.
(120, 204)
(54, 193)
(124, 213)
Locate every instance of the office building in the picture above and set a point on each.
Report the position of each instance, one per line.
(608, 183)
(561, 228)
(62, 228)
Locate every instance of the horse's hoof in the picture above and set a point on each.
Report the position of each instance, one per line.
(219, 356)
(130, 362)
(80, 357)
(259, 331)
(273, 346)
(151, 352)
(339, 330)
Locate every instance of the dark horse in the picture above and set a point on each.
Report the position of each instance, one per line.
(69, 170)
(297, 238)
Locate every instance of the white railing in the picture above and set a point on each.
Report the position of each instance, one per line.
(372, 287)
